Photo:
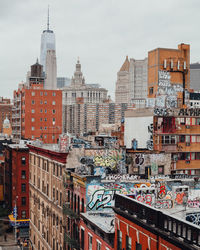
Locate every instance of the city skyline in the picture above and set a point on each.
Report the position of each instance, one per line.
(100, 33)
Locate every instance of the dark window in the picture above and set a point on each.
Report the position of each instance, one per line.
(23, 160)
(161, 169)
(23, 174)
(23, 201)
(128, 243)
(23, 187)
(82, 205)
(182, 138)
(82, 238)
(197, 156)
(23, 214)
(119, 240)
(138, 246)
(151, 91)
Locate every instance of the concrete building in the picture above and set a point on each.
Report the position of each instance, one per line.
(195, 76)
(47, 43)
(78, 89)
(131, 84)
(51, 70)
(47, 196)
(36, 111)
(169, 76)
(83, 118)
(5, 111)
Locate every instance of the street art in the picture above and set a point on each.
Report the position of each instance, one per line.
(160, 101)
(179, 199)
(194, 203)
(147, 199)
(171, 101)
(139, 159)
(163, 204)
(119, 177)
(160, 112)
(150, 141)
(102, 199)
(193, 218)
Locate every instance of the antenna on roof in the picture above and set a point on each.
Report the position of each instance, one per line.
(48, 19)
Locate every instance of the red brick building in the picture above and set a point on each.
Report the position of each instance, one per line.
(16, 187)
(139, 226)
(37, 112)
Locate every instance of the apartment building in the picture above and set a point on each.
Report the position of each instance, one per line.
(37, 111)
(5, 111)
(47, 165)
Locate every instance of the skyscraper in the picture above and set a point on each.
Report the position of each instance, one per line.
(51, 70)
(47, 43)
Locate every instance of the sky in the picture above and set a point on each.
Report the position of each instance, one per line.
(100, 32)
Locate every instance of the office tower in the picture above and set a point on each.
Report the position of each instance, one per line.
(51, 70)
(195, 76)
(131, 82)
(47, 43)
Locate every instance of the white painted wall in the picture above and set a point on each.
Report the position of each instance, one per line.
(137, 127)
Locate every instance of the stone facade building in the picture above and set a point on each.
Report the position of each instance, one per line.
(131, 84)
(47, 166)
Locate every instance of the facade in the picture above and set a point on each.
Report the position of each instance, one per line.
(195, 76)
(47, 165)
(5, 111)
(139, 226)
(36, 111)
(83, 118)
(79, 90)
(7, 129)
(169, 76)
(51, 70)
(131, 85)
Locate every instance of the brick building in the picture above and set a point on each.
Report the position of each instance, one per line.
(47, 164)
(139, 226)
(37, 111)
(5, 111)
(169, 75)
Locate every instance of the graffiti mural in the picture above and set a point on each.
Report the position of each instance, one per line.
(150, 141)
(194, 203)
(193, 218)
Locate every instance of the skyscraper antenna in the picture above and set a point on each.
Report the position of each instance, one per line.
(48, 19)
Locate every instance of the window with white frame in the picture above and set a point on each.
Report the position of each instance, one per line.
(89, 242)
(98, 245)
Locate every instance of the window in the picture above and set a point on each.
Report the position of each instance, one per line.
(53, 111)
(138, 246)
(98, 245)
(119, 240)
(89, 242)
(23, 174)
(32, 136)
(182, 138)
(53, 94)
(53, 193)
(45, 93)
(198, 156)
(23, 214)
(33, 111)
(41, 93)
(60, 199)
(45, 119)
(53, 103)
(45, 102)
(33, 102)
(151, 91)
(23, 201)
(198, 121)
(23, 160)
(45, 111)
(41, 102)
(32, 119)
(82, 238)
(40, 110)
(32, 128)
(161, 169)
(23, 187)
(33, 93)
(128, 243)
(41, 119)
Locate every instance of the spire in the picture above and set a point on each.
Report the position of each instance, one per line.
(125, 66)
(48, 19)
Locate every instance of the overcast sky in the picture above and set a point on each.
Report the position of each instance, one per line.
(100, 32)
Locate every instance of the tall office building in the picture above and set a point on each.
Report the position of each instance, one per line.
(131, 82)
(195, 76)
(51, 70)
(47, 43)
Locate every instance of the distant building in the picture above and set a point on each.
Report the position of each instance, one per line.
(131, 82)
(195, 76)
(79, 90)
(5, 111)
(37, 111)
(47, 196)
(47, 43)
(88, 117)
(194, 100)
(51, 70)
(62, 82)
(7, 129)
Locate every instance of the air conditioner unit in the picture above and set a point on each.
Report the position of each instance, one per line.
(187, 144)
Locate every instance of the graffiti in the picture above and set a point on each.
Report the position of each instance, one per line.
(101, 199)
(171, 101)
(150, 141)
(154, 168)
(193, 218)
(194, 203)
(147, 199)
(139, 159)
(150, 102)
(160, 101)
(189, 112)
(179, 148)
(163, 204)
(163, 74)
(144, 185)
(160, 112)
(177, 87)
(104, 161)
(162, 192)
(118, 177)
